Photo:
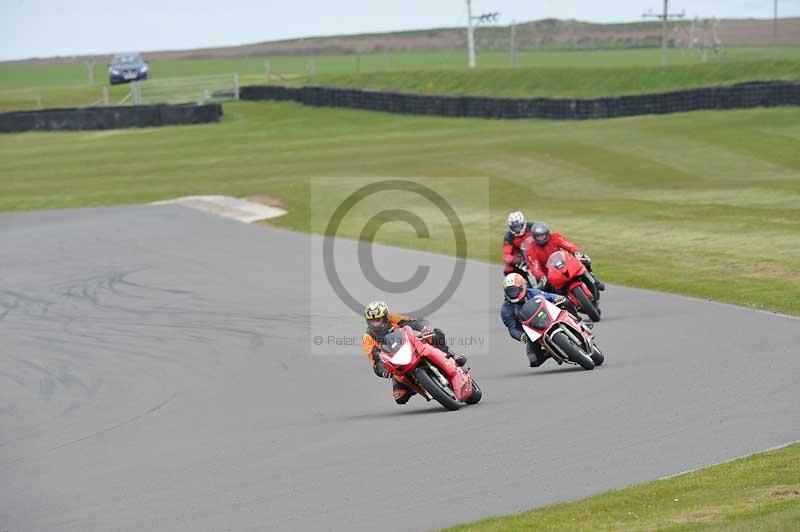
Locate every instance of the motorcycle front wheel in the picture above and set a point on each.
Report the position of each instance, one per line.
(431, 384)
(586, 304)
(574, 353)
(597, 356)
(476, 394)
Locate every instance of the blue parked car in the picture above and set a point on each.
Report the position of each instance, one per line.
(127, 67)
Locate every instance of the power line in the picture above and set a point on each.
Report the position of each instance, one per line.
(665, 17)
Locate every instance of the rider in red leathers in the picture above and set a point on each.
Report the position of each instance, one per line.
(547, 243)
(518, 232)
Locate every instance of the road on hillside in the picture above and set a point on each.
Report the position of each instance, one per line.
(158, 371)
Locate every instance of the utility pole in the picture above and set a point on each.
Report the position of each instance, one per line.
(470, 35)
(775, 23)
(665, 16)
(471, 23)
(514, 58)
(775, 27)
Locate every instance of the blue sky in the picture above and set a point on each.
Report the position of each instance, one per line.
(42, 28)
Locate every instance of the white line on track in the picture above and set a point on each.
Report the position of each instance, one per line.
(775, 448)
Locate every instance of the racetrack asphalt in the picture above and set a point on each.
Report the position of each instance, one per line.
(157, 372)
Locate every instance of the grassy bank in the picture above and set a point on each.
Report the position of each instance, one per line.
(760, 492)
(542, 73)
(22, 76)
(563, 82)
(706, 204)
(63, 90)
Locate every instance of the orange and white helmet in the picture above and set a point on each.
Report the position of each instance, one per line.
(516, 223)
(515, 287)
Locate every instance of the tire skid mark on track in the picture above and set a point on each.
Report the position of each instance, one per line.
(152, 410)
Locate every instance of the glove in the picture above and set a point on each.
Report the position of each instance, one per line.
(582, 257)
(381, 371)
(523, 338)
(559, 300)
(541, 282)
(426, 331)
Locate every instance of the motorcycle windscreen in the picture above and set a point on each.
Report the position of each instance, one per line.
(400, 350)
(552, 310)
(531, 315)
(403, 355)
(541, 320)
(529, 308)
(392, 341)
(557, 260)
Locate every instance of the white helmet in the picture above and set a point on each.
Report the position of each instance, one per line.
(516, 223)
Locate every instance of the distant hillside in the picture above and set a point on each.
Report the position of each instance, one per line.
(540, 34)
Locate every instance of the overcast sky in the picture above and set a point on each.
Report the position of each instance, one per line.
(42, 28)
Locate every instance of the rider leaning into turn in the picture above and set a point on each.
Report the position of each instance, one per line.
(381, 322)
(548, 243)
(517, 293)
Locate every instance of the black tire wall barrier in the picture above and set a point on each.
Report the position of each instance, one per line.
(741, 96)
(109, 117)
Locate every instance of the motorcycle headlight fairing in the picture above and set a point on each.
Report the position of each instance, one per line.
(403, 355)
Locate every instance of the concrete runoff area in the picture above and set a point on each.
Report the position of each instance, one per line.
(228, 207)
(157, 373)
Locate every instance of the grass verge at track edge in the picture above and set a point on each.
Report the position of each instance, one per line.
(757, 492)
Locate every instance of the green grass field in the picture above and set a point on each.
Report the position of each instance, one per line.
(760, 492)
(706, 203)
(65, 85)
(13, 76)
(581, 82)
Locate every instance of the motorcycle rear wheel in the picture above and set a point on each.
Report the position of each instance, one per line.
(431, 384)
(586, 305)
(574, 353)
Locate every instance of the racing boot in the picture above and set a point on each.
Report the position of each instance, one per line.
(441, 343)
(460, 360)
(537, 360)
(600, 285)
(536, 357)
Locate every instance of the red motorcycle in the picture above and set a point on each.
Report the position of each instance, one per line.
(427, 370)
(561, 335)
(569, 277)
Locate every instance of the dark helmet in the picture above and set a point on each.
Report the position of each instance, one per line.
(541, 233)
(514, 287)
(377, 316)
(516, 223)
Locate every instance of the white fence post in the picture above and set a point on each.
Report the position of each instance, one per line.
(235, 85)
(90, 71)
(136, 93)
